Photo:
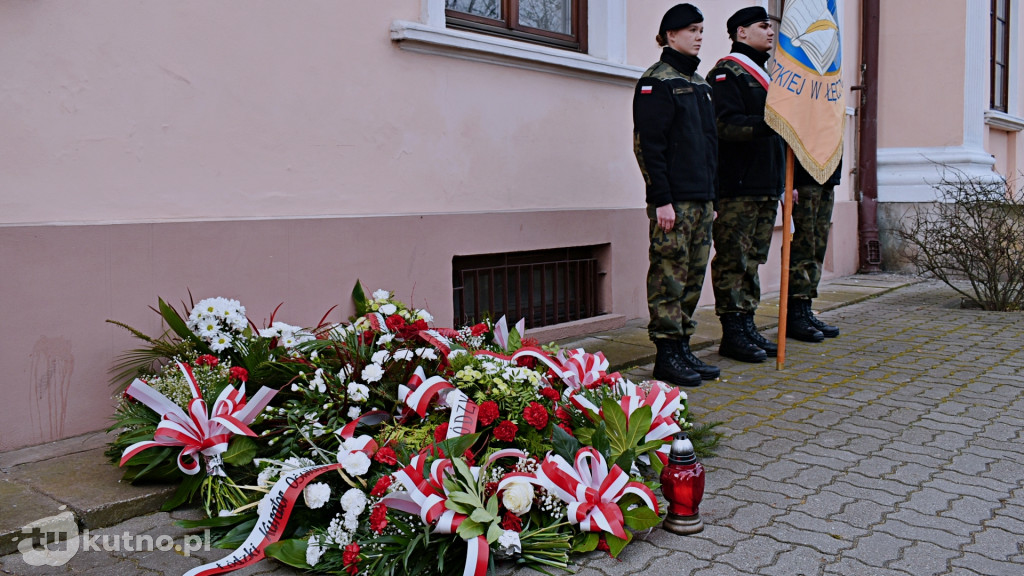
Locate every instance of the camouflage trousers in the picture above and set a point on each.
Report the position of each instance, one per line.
(679, 260)
(812, 220)
(743, 236)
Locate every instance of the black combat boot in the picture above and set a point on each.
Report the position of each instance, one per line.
(763, 343)
(798, 322)
(670, 367)
(735, 342)
(827, 329)
(706, 371)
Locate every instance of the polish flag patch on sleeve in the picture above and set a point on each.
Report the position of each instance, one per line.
(646, 89)
(719, 77)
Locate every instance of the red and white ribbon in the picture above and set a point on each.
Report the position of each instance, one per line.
(421, 390)
(501, 332)
(442, 339)
(582, 369)
(592, 490)
(198, 431)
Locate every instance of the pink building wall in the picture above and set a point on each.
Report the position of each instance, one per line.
(276, 152)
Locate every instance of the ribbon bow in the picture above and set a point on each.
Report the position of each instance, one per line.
(421, 390)
(592, 490)
(664, 403)
(198, 431)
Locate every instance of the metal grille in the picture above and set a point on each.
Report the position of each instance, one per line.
(544, 287)
(874, 252)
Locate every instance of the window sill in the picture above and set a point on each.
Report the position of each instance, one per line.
(1004, 121)
(417, 37)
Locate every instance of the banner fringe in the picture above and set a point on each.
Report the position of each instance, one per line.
(820, 172)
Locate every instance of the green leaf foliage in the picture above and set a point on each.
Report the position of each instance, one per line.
(565, 445)
(292, 552)
(640, 518)
(616, 544)
(241, 451)
(186, 490)
(359, 299)
(585, 541)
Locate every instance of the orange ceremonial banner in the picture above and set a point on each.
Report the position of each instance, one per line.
(805, 99)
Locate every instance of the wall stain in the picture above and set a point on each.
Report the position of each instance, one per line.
(50, 366)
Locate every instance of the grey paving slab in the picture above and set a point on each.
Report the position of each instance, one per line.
(893, 450)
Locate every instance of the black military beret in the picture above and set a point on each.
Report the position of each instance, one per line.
(746, 17)
(679, 16)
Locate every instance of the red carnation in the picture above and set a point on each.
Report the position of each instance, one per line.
(530, 343)
(381, 487)
(469, 458)
(394, 322)
(207, 360)
(490, 488)
(536, 415)
(351, 558)
(566, 428)
(506, 431)
(386, 456)
(488, 413)
(511, 522)
(478, 329)
(379, 518)
(563, 415)
(441, 432)
(239, 373)
(549, 393)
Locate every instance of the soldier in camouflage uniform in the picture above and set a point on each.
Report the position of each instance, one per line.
(812, 221)
(751, 175)
(675, 141)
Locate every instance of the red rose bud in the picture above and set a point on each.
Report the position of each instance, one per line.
(511, 522)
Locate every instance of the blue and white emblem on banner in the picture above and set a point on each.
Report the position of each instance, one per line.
(810, 35)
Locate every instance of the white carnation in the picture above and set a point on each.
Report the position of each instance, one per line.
(358, 392)
(313, 550)
(355, 463)
(388, 309)
(425, 316)
(316, 495)
(381, 294)
(353, 502)
(380, 356)
(373, 373)
(403, 354)
(354, 412)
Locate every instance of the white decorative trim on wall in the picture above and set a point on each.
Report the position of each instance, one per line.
(909, 174)
(976, 71)
(606, 26)
(1004, 121)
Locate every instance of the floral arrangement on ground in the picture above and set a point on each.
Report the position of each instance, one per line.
(367, 446)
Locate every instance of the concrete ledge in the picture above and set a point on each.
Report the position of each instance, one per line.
(577, 328)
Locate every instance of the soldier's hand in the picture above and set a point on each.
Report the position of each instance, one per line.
(666, 217)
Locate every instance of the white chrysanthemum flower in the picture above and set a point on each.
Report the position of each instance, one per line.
(358, 392)
(220, 342)
(373, 373)
(381, 294)
(380, 356)
(354, 412)
(355, 463)
(353, 502)
(316, 495)
(403, 354)
(313, 550)
(287, 339)
(388, 309)
(385, 338)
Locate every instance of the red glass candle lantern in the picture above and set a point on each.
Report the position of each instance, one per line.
(682, 483)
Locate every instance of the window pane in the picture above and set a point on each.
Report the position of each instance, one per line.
(553, 15)
(1000, 42)
(485, 8)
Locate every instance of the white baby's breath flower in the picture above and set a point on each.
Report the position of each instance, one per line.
(316, 495)
(373, 373)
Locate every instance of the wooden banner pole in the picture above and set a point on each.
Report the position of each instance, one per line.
(787, 237)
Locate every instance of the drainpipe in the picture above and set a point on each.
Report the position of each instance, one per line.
(867, 167)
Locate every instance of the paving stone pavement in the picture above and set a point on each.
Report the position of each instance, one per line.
(894, 449)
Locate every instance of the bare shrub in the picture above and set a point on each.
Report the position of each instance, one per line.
(972, 239)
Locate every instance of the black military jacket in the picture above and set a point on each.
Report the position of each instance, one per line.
(674, 135)
(751, 156)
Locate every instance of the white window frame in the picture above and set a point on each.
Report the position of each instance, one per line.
(1011, 120)
(605, 60)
